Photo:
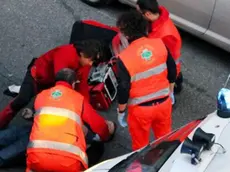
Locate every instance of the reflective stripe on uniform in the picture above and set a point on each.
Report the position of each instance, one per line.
(148, 73)
(138, 100)
(59, 112)
(59, 146)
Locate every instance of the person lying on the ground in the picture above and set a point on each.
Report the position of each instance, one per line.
(13, 144)
(57, 140)
(42, 70)
(14, 141)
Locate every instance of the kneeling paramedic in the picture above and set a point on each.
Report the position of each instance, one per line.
(57, 141)
(161, 26)
(41, 72)
(145, 71)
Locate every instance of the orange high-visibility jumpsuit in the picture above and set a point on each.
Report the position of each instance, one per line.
(57, 142)
(145, 59)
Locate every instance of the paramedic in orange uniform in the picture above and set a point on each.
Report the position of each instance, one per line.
(145, 71)
(57, 141)
(163, 27)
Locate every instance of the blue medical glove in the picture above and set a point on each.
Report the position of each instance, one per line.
(121, 118)
(172, 98)
(97, 138)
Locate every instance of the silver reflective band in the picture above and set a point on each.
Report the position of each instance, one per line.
(124, 41)
(148, 73)
(59, 112)
(178, 61)
(59, 146)
(138, 100)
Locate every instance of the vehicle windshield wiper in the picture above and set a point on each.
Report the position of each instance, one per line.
(122, 165)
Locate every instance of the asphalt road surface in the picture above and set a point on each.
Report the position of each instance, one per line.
(29, 28)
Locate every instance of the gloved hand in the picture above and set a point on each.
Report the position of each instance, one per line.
(121, 119)
(97, 138)
(172, 98)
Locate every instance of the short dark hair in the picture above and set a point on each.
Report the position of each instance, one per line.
(132, 24)
(148, 5)
(66, 75)
(90, 48)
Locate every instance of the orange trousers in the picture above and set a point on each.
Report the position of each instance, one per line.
(45, 162)
(141, 119)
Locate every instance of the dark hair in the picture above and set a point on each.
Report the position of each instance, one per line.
(133, 25)
(66, 75)
(91, 49)
(148, 5)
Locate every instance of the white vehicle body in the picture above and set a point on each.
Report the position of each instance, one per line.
(212, 161)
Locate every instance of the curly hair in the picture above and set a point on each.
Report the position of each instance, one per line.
(133, 25)
(91, 48)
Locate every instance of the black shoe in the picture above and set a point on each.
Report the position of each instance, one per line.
(7, 92)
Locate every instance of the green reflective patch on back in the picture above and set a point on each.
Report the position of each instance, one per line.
(146, 54)
(56, 94)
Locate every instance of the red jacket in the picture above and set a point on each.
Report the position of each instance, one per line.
(83, 87)
(165, 29)
(48, 64)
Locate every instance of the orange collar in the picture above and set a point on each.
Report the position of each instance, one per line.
(63, 83)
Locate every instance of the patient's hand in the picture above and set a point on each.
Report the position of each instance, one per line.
(27, 113)
(111, 127)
